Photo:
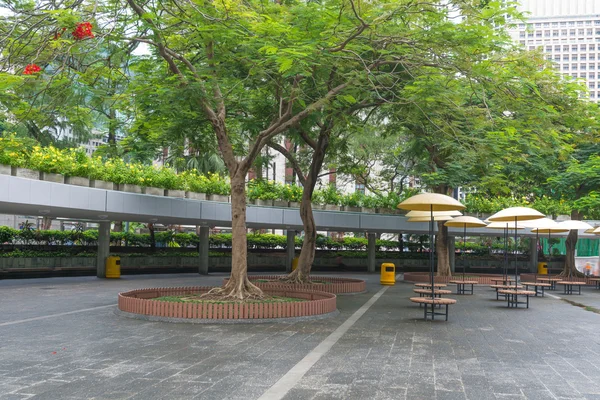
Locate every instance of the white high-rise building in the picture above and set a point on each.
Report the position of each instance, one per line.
(568, 32)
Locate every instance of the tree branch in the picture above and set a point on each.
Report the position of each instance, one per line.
(290, 158)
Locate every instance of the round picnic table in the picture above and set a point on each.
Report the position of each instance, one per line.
(541, 285)
(569, 286)
(504, 287)
(551, 280)
(461, 286)
(512, 297)
(434, 302)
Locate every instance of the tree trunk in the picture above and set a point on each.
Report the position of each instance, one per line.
(46, 223)
(239, 286)
(307, 253)
(152, 236)
(441, 248)
(569, 269)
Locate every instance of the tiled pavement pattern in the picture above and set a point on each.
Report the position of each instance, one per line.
(484, 351)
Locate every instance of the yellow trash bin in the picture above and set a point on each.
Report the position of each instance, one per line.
(543, 268)
(388, 274)
(113, 267)
(294, 263)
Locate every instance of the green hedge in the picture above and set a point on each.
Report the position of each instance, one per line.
(169, 238)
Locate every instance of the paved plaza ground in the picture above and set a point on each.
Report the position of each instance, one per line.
(60, 339)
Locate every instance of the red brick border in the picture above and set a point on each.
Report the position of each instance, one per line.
(140, 301)
(420, 277)
(337, 286)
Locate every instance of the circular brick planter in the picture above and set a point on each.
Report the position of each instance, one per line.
(140, 303)
(335, 286)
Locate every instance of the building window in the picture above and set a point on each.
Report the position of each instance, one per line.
(592, 85)
(573, 67)
(563, 24)
(581, 32)
(548, 49)
(565, 57)
(592, 57)
(582, 75)
(566, 47)
(582, 47)
(592, 75)
(593, 95)
(582, 57)
(557, 48)
(557, 58)
(590, 32)
(565, 67)
(359, 187)
(574, 47)
(583, 68)
(522, 34)
(554, 24)
(592, 66)
(574, 57)
(592, 47)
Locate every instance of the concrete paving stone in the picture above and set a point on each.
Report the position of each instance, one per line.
(447, 395)
(300, 394)
(389, 353)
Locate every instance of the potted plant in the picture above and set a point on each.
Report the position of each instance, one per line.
(292, 194)
(352, 201)
(331, 198)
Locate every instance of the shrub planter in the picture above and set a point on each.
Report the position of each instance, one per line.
(350, 209)
(367, 210)
(77, 181)
(25, 173)
(5, 169)
(98, 184)
(195, 196)
(126, 187)
(264, 203)
(333, 285)
(385, 211)
(281, 203)
(318, 206)
(50, 177)
(153, 191)
(332, 207)
(174, 193)
(218, 197)
(295, 204)
(140, 303)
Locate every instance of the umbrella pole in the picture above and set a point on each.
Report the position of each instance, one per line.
(505, 274)
(549, 255)
(464, 248)
(537, 242)
(516, 255)
(431, 246)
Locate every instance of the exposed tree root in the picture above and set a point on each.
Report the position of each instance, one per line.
(574, 274)
(239, 291)
(296, 277)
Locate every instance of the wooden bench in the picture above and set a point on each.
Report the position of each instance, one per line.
(460, 286)
(505, 281)
(428, 285)
(596, 281)
(434, 302)
(503, 287)
(427, 292)
(537, 285)
(512, 297)
(569, 286)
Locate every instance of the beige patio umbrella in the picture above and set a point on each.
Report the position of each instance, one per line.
(516, 214)
(428, 218)
(596, 231)
(464, 222)
(417, 214)
(431, 202)
(574, 225)
(505, 226)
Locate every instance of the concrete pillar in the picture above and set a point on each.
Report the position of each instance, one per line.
(452, 253)
(203, 251)
(371, 251)
(103, 248)
(290, 250)
(533, 255)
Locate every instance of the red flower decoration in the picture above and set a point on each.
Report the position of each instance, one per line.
(83, 30)
(31, 69)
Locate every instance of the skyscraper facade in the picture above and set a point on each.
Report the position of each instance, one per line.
(568, 32)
